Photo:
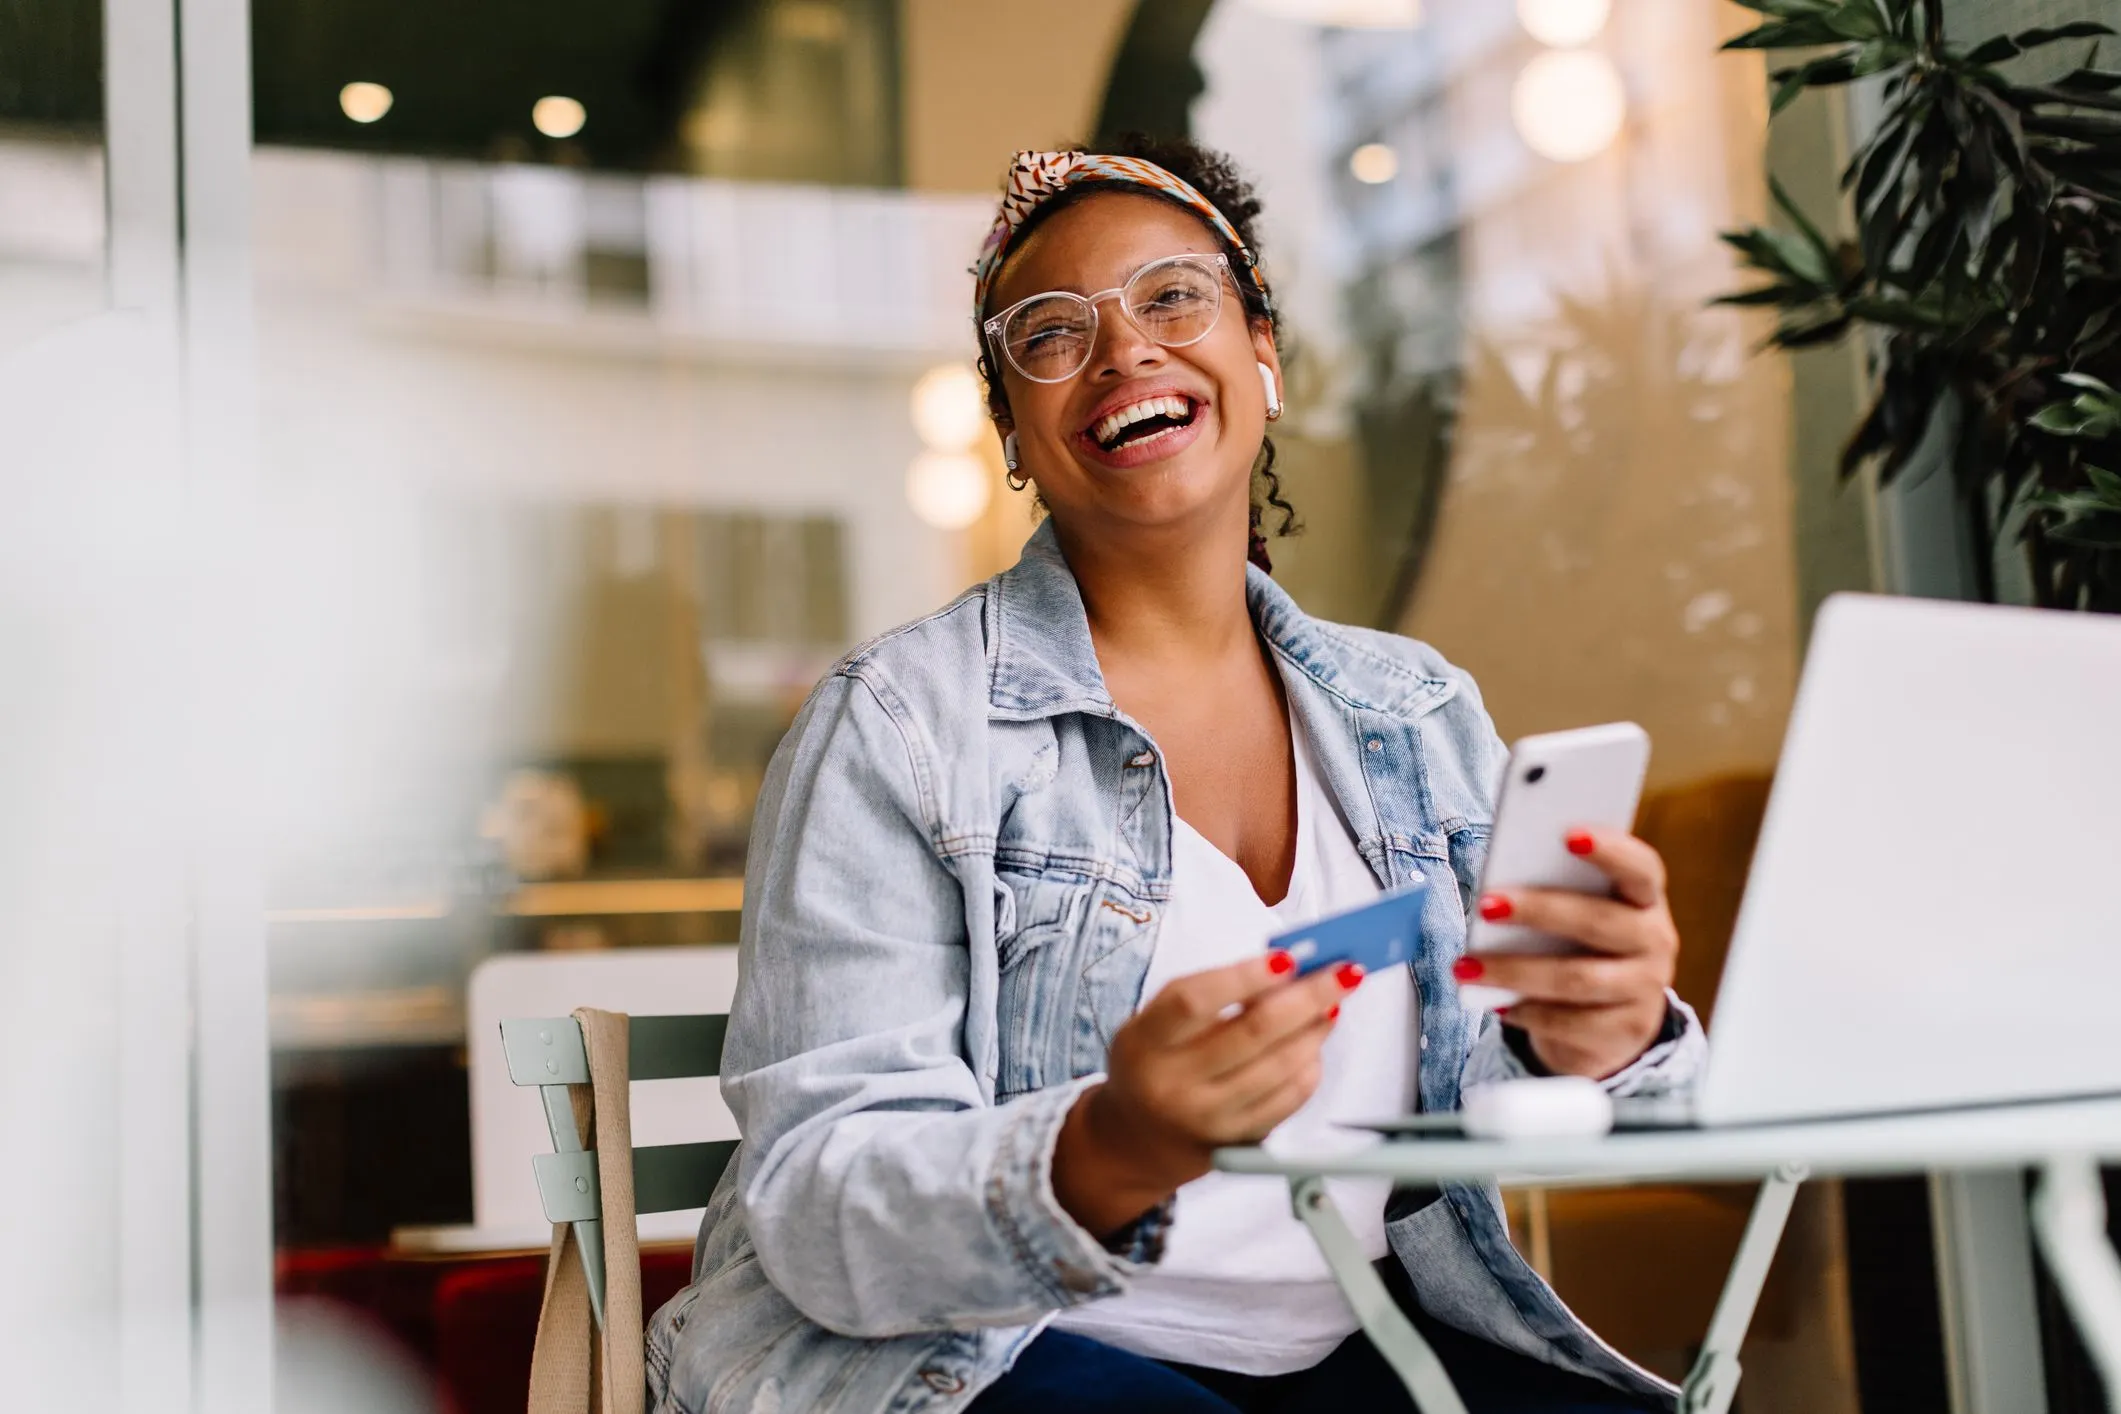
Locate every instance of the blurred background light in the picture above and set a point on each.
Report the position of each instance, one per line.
(949, 490)
(1346, 14)
(1374, 163)
(1563, 23)
(365, 102)
(949, 408)
(557, 116)
(1568, 104)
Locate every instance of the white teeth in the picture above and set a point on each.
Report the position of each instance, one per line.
(1127, 416)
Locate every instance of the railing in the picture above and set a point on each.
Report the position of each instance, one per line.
(808, 268)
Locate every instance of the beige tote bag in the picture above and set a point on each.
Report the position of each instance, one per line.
(575, 1369)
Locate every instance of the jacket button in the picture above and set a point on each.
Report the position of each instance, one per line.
(1375, 745)
(943, 1381)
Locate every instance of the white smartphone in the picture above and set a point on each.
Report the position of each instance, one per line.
(1554, 783)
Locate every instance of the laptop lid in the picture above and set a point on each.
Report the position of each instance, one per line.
(1934, 912)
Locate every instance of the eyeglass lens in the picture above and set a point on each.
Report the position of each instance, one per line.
(1174, 302)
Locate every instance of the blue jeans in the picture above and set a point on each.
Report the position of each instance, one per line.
(1063, 1373)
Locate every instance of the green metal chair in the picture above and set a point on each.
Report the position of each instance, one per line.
(548, 1052)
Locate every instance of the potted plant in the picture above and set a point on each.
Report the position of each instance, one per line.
(1986, 266)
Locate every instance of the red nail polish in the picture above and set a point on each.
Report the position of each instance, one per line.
(1580, 842)
(1495, 908)
(1349, 975)
(1334, 1015)
(1280, 964)
(1468, 969)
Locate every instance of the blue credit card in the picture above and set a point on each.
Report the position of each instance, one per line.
(1378, 935)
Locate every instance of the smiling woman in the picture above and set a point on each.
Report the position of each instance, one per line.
(1173, 298)
(1008, 984)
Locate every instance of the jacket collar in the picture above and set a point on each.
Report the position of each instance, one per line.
(1041, 662)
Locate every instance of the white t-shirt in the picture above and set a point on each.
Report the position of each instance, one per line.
(1241, 1285)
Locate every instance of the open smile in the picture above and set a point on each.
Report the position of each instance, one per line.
(1144, 429)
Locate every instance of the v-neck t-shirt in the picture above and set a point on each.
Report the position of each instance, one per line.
(1241, 1285)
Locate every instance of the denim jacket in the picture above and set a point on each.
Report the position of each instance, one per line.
(961, 855)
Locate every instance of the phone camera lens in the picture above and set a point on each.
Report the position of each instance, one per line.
(1533, 776)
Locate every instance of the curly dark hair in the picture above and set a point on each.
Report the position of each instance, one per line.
(1217, 178)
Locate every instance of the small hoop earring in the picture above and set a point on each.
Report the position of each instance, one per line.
(1017, 483)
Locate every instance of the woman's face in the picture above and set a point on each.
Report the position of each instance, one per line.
(1150, 474)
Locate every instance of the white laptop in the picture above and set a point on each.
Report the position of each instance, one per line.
(1933, 917)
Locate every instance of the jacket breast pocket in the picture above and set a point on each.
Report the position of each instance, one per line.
(1037, 917)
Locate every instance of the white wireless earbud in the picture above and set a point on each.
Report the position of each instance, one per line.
(1009, 451)
(1266, 380)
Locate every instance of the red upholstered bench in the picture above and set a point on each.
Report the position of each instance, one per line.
(486, 1320)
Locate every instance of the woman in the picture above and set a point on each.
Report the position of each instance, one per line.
(1004, 984)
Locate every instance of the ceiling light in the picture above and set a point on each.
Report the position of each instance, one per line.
(949, 490)
(1346, 14)
(1568, 104)
(1373, 163)
(949, 408)
(365, 102)
(555, 116)
(1563, 23)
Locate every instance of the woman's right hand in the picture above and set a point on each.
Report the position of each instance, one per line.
(1216, 1058)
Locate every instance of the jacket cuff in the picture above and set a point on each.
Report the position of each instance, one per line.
(1672, 1065)
(1053, 1249)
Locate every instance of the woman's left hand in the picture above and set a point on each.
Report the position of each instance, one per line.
(1594, 1013)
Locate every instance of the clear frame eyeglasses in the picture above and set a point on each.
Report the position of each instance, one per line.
(1175, 301)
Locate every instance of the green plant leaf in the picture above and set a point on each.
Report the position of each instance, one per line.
(1925, 315)
(1788, 206)
(1766, 294)
(2002, 47)
(2089, 80)
(2076, 29)
(1818, 331)
(2102, 534)
(2091, 130)
(2061, 419)
(1819, 73)
(1883, 158)
(2085, 381)
(1796, 33)
(1790, 9)
(2028, 96)
(1857, 21)
(2106, 483)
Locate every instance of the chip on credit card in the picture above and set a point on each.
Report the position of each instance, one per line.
(1380, 934)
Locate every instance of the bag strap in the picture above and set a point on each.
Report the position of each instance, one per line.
(572, 1370)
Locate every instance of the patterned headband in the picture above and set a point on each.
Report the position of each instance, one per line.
(1035, 176)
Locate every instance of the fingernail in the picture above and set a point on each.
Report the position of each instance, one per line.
(1334, 1015)
(1349, 975)
(1494, 907)
(1502, 1011)
(1280, 964)
(1468, 969)
(1580, 842)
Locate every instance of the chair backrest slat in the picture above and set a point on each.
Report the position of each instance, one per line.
(675, 1047)
(667, 1178)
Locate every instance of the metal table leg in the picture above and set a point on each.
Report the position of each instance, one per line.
(2069, 1221)
(1713, 1382)
(1987, 1292)
(1382, 1320)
